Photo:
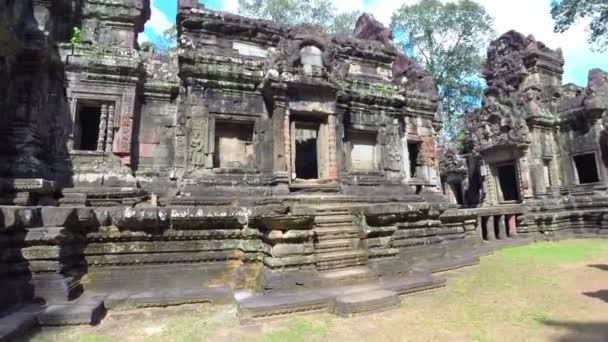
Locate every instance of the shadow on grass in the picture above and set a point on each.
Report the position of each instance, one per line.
(600, 294)
(580, 331)
(600, 267)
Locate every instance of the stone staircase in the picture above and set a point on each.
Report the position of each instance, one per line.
(337, 240)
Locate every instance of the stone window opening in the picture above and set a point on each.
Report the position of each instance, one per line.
(364, 154)
(547, 173)
(586, 168)
(508, 189)
(311, 58)
(94, 125)
(413, 149)
(234, 147)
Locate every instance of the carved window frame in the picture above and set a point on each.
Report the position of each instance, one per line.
(214, 120)
(377, 151)
(108, 125)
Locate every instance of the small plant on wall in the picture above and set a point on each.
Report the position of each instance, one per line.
(76, 36)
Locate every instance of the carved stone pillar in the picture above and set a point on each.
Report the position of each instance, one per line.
(512, 219)
(502, 227)
(122, 146)
(110, 129)
(524, 174)
(287, 142)
(103, 119)
(331, 140)
(490, 234)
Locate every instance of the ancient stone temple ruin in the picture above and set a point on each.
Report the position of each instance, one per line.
(280, 170)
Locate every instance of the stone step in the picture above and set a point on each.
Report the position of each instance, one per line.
(168, 297)
(339, 260)
(365, 302)
(335, 225)
(346, 276)
(332, 211)
(84, 310)
(334, 245)
(18, 322)
(333, 219)
(342, 255)
(337, 233)
(416, 282)
(448, 263)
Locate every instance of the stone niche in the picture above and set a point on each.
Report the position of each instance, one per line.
(364, 151)
(234, 147)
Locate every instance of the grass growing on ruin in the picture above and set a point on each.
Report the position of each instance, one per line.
(510, 296)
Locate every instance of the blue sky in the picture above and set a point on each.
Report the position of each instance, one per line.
(526, 16)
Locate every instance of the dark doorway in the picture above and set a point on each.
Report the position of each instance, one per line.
(413, 149)
(457, 190)
(507, 178)
(306, 152)
(586, 168)
(88, 118)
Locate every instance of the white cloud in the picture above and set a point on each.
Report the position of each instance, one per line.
(158, 20)
(231, 6)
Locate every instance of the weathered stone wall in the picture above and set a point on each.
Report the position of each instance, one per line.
(191, 182)
(529, 119)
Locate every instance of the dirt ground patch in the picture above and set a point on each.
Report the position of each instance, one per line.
(542, 292)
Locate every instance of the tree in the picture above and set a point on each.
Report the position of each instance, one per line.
(568, 12)
(163, 43)
(448, 40)
(321, 13)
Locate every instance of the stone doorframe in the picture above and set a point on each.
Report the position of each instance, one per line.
(326, 156)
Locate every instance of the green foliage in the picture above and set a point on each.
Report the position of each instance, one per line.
(320, 13)
(344, 23)
(568, 12)
(448, 39)
(76, 36)
(165, 43)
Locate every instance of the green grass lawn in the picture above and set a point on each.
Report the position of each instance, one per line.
(510, 296)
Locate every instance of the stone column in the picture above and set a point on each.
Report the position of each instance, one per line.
(524, 174)
(502, 227)
(101, 137)
(512, 219)
(490, 235)
(279, 136)
(110, 134)
(331, 140)
(287, 141)
(480, 227)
